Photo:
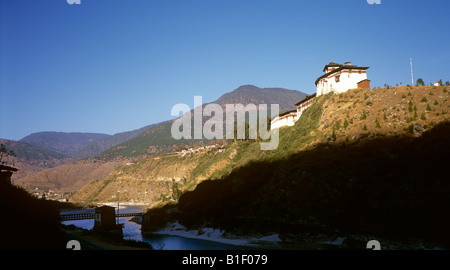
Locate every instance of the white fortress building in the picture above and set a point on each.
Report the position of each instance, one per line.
(340, 78)
(336, 78)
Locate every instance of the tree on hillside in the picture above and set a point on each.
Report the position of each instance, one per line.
(5, 155)
(420, 82)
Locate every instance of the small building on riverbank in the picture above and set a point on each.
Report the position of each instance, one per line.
(105, 220)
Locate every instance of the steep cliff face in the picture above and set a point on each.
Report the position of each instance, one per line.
(63, 142)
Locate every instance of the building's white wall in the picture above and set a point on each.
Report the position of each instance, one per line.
(323, 87)
(346, 81)
(291, 120)
(283, 121)
(349, 81)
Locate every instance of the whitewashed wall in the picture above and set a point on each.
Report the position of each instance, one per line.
(346, 81)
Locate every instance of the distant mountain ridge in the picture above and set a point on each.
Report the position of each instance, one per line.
(37, 163)
(250, 94)
(31, 158)
(97, 147)
(158, 139)
(67, 143)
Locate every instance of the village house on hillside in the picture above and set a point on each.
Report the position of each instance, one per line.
(337, 78)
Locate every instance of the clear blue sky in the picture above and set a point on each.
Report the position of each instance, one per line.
(110, 66)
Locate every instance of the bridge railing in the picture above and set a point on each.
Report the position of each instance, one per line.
(76, 216)
(130, 214)
(92, 215)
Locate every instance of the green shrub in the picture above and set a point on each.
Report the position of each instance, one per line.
(333, 135)
(428, 107)
(411, 129)
(436, 102)
(364, 127)
(363, 116)
(337, 125)
(423, 117)
(420, 82)
(377, 124)
(424, 99)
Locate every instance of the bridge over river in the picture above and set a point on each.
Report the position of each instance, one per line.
(66, 217)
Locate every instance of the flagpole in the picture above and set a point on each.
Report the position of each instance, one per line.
(118, 193)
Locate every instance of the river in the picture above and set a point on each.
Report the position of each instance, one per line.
(176, 237)
(132, 230)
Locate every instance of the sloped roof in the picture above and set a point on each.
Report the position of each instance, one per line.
(340, 68)
(331, 64)
(287, 112)
(306, 99)
(8, 168)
